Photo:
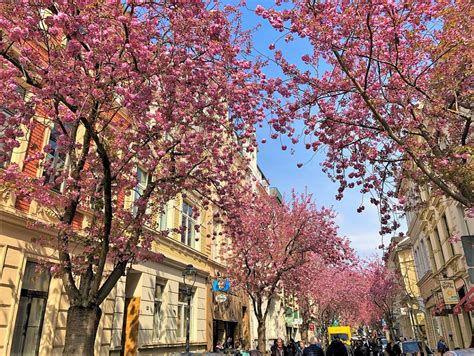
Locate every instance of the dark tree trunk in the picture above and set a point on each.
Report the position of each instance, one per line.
(261, 330)
(81, 329)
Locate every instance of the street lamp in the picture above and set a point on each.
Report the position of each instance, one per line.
(189, 278)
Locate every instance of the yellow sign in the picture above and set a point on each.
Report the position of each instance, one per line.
(448, 289)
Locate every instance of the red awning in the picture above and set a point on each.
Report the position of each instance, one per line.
(467, 302)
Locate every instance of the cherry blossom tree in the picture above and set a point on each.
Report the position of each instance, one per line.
(142, 100)
(326, 293)
(385, 289)
(272, 241)
(385, 88)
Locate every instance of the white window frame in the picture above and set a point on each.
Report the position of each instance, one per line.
(139, 189)
(55, 157)
(188, 232)
(158, 301)
(163, 224)
(216, 242)
(181, 314)
(8, 154)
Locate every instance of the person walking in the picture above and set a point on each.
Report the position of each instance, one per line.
(336, 348)
(300, 348)
(291, 348)
(313, 349)
(397, 349)
(442, 346)
(278, 349)
(388, 349)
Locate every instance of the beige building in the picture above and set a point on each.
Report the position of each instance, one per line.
(146, 311)
(439, 258)
(410, 319)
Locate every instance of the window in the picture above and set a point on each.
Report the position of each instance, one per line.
(216, 242)
(164, 218)
(183, 313)
(54, 161)
(438, 241)
(462, 216)
(5, 155)
(431, 249)
(5, 114)
(158, 311)
(187, 225)
(142, 181)
(447, 234)
(418, 265)
(425, 258)
(29, 320)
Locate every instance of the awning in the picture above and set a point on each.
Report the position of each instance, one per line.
(466, 303)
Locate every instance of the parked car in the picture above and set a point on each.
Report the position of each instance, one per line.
(461, 352)
(414, 348)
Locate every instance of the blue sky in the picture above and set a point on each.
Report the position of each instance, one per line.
(280, 166)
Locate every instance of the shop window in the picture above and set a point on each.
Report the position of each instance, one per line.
(158, 308)
(55, 160)
(31, 308)
(183, 313)
(188, 224)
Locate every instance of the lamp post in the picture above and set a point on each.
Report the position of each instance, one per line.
(189, 278)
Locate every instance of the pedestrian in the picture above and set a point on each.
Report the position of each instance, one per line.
(313, 349)
(388, 349)
(279, 348)
(219, 347)
(300, 348)
(365, 349)
(397, 349)
(377, 348)
(356, 348)
(291, 348)
(336, 348)
(442, 346)
(229, 344)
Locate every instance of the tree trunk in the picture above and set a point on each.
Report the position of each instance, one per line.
(81, 329)
(261, 330)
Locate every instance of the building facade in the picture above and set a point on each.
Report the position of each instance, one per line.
(146, 311)
(439, 259)
(410, 318)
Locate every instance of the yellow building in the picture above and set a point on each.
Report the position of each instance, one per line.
(440, 258)
(411, 316)
(145, 312)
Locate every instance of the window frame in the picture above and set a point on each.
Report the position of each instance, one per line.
(56, 171)
(137, 191)
(31, 294)
(181, 308)
(9, 153)
(156, 334)
(188, 223)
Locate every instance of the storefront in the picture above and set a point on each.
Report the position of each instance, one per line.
(293, 322)
(227, 315)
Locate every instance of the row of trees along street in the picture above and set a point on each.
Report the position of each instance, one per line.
(174, 87)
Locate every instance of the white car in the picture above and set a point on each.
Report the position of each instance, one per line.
(461, 352)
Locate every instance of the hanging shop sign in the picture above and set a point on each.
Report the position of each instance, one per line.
(450, 295)
(220, 285)
(221, 298)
